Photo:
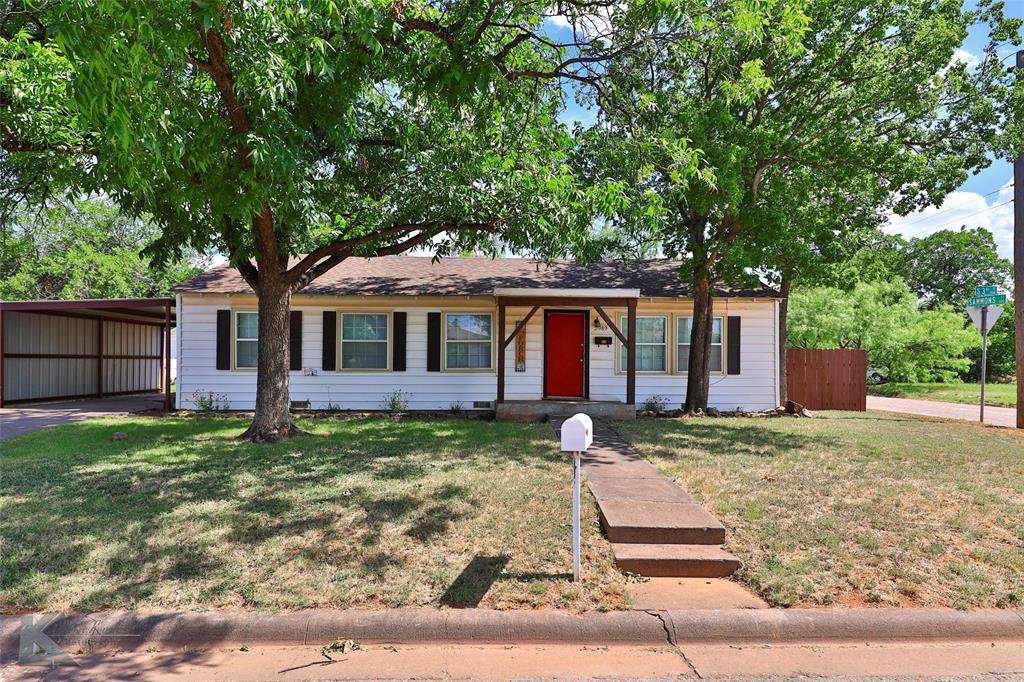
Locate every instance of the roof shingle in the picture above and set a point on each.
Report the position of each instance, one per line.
(421, 276)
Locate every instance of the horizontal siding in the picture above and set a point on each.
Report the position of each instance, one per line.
(754, 388)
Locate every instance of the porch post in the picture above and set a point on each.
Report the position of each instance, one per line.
(631, 353)
(165, 356)
(501, 351)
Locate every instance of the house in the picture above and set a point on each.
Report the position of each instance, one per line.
(513, 334)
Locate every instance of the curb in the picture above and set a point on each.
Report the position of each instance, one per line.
(130, 630)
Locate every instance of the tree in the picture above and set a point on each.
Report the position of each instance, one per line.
(903, 341)
(945, 266)
(845, 93)
(292, 136)
(86, 249)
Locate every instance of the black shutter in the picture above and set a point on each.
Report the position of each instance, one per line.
(223, 339)
(295, 340)
(433, 342)
(330, 344)
(732, 337)
(398, 342)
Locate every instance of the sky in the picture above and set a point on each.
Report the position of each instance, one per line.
(982, 201)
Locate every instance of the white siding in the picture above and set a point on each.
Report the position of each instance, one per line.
(754, 388)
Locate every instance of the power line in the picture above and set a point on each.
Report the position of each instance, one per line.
(953, 208)
(958, 220)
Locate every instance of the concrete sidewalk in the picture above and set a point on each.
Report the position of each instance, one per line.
(995, 416)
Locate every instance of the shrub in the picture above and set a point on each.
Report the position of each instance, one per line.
(455, 408)
(208, 401)
(655, 403)
(396, 402)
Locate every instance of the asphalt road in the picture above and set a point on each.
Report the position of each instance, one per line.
(996, 416)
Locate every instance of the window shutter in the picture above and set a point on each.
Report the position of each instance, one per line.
(223, 339)
(295, 340)
(433, 342)
(330, 343)
(732, 337)
(398, 342)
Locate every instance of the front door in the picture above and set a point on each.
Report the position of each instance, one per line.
(565, 347)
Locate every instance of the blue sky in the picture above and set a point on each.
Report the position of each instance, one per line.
(980, 202)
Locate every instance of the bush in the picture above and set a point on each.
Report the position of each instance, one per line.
(455, 408)
(396, 402)
(208, 401)
(655, 403)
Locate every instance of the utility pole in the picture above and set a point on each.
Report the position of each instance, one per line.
(1018, 262)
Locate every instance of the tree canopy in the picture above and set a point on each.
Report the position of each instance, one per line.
(85, 249)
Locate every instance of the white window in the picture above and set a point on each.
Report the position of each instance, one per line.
(468, 340)
(247, 327)
(364, 340)
(651, 344)
(684, 327)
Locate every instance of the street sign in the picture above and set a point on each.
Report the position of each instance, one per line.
(990, 320)
(986, 291)
(982, 301)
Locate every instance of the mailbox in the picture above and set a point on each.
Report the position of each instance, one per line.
(577, 433)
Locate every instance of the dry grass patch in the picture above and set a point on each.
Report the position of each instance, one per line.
(857, 508)
(363, 513)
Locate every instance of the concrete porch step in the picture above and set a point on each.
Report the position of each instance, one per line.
(683, 523)
(674, 560)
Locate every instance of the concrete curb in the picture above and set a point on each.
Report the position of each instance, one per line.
(131, 630)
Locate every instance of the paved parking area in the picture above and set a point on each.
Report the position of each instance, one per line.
(21, 419)
(997, 416)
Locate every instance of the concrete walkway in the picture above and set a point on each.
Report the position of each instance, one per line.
(996, 416)
(15, 421)
(656, 529)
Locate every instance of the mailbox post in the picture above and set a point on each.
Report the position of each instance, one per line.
(577, 435)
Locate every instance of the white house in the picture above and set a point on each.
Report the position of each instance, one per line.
(480, 333)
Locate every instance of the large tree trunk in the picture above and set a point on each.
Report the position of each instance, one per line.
(273, 420)
(784, 289)
(698, 376)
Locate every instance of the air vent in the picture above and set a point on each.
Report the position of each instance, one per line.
(483, 404)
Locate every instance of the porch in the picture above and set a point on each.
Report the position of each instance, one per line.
(566, 351)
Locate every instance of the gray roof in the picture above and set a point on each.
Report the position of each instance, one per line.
(474, 276)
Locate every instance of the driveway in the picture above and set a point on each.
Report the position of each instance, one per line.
(15, 421)
(997, 416)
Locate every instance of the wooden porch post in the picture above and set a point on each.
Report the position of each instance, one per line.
(501, 351)
(631, 353)
(165, 357)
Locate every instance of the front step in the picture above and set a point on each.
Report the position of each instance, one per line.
(675, 560)
(654, 523)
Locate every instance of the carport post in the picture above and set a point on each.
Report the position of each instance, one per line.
(99, 357)
(1, 357)
(165, 357)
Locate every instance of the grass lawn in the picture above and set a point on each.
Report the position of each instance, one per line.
(857, 508)
(363, 513)
(1004, 395)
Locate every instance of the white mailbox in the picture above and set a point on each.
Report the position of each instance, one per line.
(577, 433)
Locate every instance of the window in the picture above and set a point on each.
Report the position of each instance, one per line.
(364, 340)
(651, 344)
(467, 340)
(247, 327)
(684, 326)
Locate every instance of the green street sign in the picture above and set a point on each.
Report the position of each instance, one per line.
(986, 291)
(980, 301)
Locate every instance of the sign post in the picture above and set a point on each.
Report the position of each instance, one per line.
(985, 307)
(577, 433)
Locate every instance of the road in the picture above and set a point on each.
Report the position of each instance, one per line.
(996, 416)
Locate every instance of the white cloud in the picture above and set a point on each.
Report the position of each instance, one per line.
(968, 58)
(963, 209)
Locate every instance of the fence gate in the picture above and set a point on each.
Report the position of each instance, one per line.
(828, 379)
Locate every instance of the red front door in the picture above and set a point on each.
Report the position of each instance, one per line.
(565, 344)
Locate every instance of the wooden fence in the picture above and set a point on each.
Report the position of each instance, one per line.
(828, 379)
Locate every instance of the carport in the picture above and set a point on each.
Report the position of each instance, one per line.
(95, 348)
